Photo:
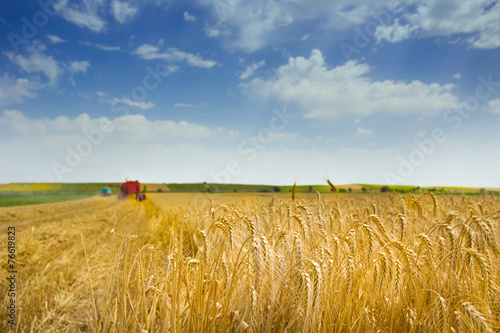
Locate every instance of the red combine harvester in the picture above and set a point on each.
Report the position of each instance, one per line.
(130, 187)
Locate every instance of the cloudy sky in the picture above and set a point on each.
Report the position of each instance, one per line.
(269, 92)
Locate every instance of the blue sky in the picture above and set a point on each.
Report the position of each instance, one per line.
(270, 92)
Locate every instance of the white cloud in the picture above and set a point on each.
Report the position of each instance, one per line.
(55, 40)
(16, 91)
(457, 76)
(133, 126)
(136, 104)
(250, 24)
(212, 32)
(346, 90)
(36, 61)
(188, 17)
(362, 132)
(494, 106)
(151, 52)
(84, 14)
(123, 11)
(91, 14)
(167, 151)
(250, 70)
(101, 47)
(79, 66)
(395, 33)
(139, 126)
(19, 123)
(182, 105)
(434, 18)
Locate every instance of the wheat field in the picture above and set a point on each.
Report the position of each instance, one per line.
(241, 263)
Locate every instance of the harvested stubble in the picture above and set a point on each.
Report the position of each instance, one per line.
(335, 263)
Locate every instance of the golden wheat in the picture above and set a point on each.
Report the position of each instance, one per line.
(329, 263)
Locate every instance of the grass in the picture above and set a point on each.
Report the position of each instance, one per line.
(39, 199)
(254, 263)
(67, 187)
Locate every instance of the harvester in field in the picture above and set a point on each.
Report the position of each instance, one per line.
(105, 192)
(130, 188)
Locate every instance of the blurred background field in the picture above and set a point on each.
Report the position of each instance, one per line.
(16, 194)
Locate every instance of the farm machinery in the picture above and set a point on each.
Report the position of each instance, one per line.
(105, 192)
(130, 188)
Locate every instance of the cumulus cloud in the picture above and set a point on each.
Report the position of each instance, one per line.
(134, 126)
(37, 149)
(346, 90)
(152, 52)
(168, 151)
(19, 123)
(16, 90)
(36, 61)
